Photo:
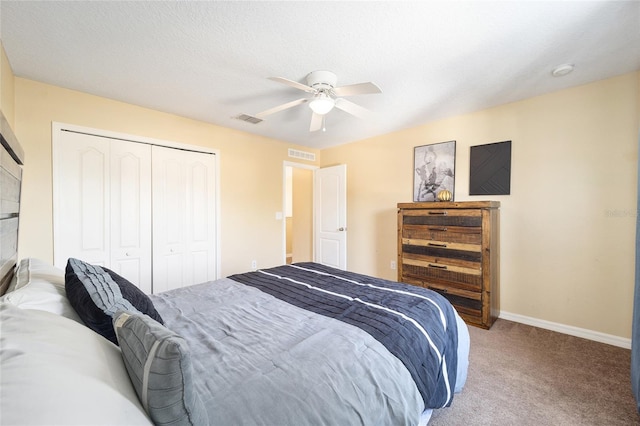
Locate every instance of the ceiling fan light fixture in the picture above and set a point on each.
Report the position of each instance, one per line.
(322, 104)
(325, 97)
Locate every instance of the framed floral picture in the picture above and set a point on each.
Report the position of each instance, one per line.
(433, 170)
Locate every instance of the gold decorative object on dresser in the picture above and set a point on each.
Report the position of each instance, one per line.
(453, 248)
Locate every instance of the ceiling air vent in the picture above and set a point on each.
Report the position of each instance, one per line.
(249, 119)
(303, 155)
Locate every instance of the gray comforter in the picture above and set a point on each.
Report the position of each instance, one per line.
(260, 360)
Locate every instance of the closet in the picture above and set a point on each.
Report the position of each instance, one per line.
(146, 211)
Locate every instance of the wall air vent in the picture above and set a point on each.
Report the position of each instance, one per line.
(249, 118)
(302, 155)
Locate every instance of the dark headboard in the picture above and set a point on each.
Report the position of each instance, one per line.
(11, 160)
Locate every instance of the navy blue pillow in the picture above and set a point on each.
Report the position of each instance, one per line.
(97, 296)
(135, 296)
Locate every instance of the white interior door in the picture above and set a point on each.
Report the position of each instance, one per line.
(102, 211)
(184, 231)
(131, 212)
(330, 204)
(81, 176)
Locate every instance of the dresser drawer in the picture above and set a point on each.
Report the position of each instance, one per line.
(443, 233)
(467, 303)
(466, 307)
(443, 217)
(429, 273)
(435, 249)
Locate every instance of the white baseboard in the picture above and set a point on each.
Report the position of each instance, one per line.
(568, 329)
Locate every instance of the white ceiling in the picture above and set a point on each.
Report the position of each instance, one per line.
(210, 60)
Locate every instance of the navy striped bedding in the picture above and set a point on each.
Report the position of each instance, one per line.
(416, 325)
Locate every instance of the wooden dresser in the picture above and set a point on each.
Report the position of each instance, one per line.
(453, 248)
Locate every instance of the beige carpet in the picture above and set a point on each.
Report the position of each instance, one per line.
(522, 375)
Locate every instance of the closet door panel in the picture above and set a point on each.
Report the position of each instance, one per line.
(93, 199)
(131, 212)
(171, 189)
(169, 202)
(82, 199)
(102, 213)
(201, 235)
(200, 266)
(183, 218)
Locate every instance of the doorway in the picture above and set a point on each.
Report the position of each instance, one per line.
(298, 208)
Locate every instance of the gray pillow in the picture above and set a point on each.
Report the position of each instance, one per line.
(159, 364)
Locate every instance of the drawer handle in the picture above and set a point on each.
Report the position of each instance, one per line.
(438, 229)
(437, 245)
(441, 290)
(438, 213)
(431, 265)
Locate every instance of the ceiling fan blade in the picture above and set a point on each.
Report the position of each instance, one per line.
(281, 107)
(293, 84)
(352, 108)
(317, 122)
(357, 89)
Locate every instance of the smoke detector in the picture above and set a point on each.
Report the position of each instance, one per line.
(562, 70)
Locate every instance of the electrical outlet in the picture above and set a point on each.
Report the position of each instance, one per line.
(254, 264)
(393, 264)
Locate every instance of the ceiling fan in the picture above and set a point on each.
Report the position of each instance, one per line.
(325, 96)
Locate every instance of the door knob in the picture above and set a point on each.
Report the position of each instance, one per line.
(341, 229)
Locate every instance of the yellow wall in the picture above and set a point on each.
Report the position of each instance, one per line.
(250, 169)
(568, 227)
(289, 235)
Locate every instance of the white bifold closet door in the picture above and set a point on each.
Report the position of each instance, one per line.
(102, 209)
(183, 205)
(146, 212)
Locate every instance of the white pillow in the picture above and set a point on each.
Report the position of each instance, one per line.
(31, 268)
(76, 376)
(40, 286)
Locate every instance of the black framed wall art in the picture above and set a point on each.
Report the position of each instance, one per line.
(433, 170)
(490, 169)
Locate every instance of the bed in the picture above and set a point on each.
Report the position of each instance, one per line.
(293, 344)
